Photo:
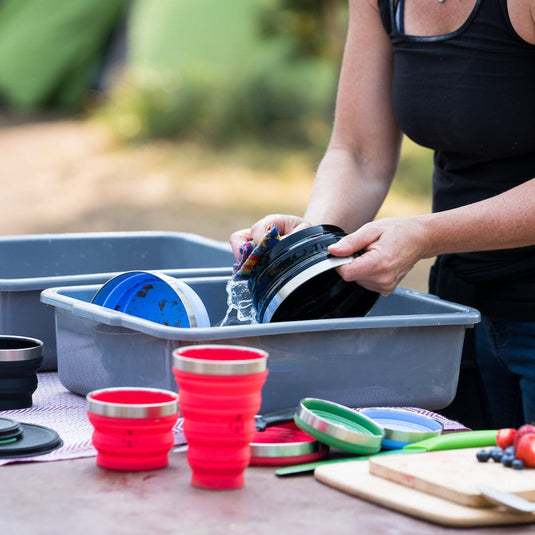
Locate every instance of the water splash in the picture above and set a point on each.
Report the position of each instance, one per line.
(240, 310)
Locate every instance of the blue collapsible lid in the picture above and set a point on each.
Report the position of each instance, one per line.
(402, 427)
(155, 297)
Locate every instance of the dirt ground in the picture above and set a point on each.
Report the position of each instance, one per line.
(70, 176)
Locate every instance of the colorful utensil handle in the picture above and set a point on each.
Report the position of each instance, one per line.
(283, 416)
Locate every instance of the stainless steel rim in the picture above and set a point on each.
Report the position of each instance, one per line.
(339, 432)
(397, 435)
(300, 279)
(405, 435)
(286, 449)
(32, 350)
(132, 410)
(219, 367)
(183, 296)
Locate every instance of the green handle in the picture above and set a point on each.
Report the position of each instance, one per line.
(449, 441)
(309, 467)
(453, 441)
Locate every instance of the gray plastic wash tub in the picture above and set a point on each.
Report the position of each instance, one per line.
(405, 352)
(31, 263)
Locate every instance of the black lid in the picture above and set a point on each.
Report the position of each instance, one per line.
(9, 429)
(34, 440)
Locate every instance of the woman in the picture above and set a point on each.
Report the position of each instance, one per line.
(457, 76)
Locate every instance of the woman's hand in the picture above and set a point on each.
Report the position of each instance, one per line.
(390, 247)
(286, 224)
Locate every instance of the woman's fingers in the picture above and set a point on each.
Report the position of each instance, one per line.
(385, 251)
(286, 224)
(238, 238)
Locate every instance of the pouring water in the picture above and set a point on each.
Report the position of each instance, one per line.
(240, 310)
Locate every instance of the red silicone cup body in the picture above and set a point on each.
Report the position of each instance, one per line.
(219, 425)
(132, 444)
(133, 427)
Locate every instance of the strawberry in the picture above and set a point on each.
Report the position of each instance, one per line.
(505, 437)
(525, 449)
(523, 430)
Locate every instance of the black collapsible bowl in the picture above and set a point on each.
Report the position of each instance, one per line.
(20, 358)
(297, 280)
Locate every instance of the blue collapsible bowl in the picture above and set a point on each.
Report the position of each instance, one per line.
(402, 427)
(155, 297)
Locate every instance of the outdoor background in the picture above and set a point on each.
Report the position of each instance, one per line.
(187, 115)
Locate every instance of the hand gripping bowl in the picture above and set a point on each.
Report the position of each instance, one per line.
(296, 280)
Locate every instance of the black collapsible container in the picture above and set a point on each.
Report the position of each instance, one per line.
(20, 358)
(297, 280)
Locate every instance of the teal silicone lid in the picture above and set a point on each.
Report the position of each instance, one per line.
(339, 426)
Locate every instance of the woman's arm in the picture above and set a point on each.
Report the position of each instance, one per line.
(356, 172)
(357, 169)
(394, 245)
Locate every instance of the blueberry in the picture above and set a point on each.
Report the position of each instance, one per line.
(496, 454)
(483, 456)
(507, 459)
(510, 450)
(517, 464)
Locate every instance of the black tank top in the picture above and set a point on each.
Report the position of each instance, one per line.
(470, 96)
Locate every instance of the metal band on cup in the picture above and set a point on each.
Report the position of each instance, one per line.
(223, 367)
(116, 409)
(19, 348)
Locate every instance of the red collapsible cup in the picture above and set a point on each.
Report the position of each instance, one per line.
(133, 427)
(220, 390)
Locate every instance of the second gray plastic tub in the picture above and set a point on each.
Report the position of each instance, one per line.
(31, 263)
(405, 352)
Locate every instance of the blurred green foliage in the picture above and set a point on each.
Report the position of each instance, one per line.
(291, 108)
(204, 69)
(261, 74)
(49, 53)
(316, 28)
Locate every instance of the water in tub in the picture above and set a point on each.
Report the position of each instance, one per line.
(240, 310)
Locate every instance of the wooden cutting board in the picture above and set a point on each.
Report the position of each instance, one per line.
(453, 475)
(354, 477)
